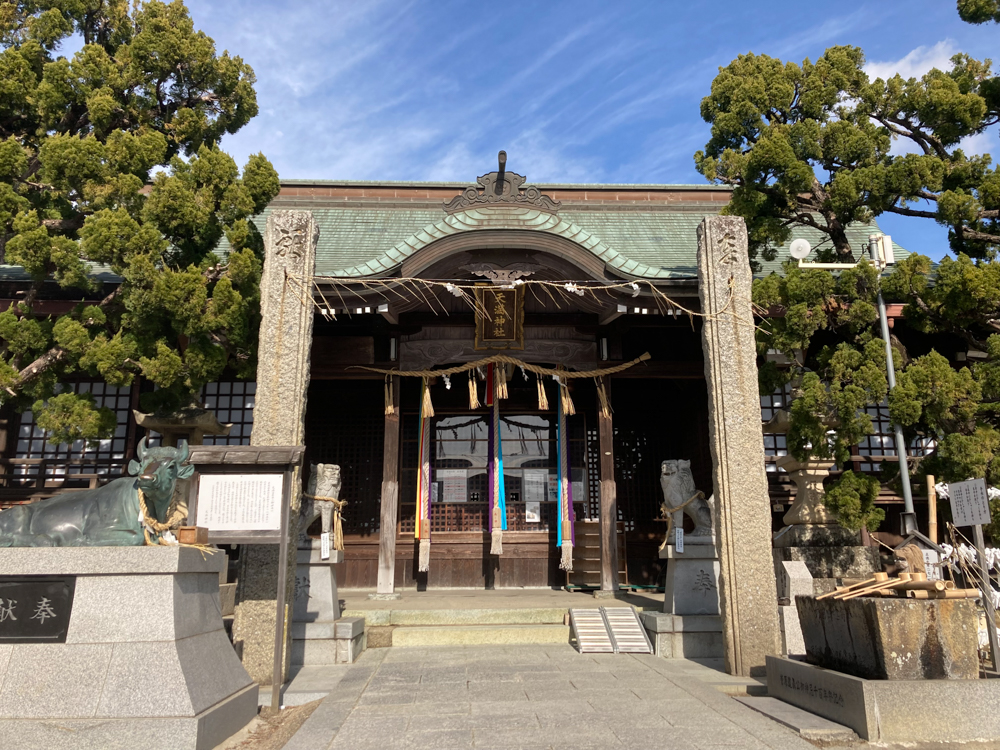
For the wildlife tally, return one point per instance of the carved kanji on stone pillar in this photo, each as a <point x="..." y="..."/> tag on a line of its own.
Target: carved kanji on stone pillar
<point x="743" y="521"/>
<point x="279" y="418"/>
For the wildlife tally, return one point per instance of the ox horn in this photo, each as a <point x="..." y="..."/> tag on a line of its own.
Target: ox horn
<point x="141" y="449"/>
<point x="184" y="450"/>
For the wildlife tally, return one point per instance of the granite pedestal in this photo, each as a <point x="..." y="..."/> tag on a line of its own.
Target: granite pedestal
<point x="891" y="710"/>
<point x="146" y="662"/>
<point x="689" y="627"/>
<point x="320" y="635"/>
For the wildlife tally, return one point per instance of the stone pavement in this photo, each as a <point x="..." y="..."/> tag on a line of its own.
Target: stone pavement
<point x="532" y="697"/>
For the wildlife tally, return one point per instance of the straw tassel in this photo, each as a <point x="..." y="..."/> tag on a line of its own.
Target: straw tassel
<point x="424" y="558"/>
<point x="473" y="391"/>
<point x="497" y="547"/>
<point x="543" y="399"/>
<point x="566" y="563"/>
<point x="567" y="402"/>
<point x="602" y="395"/>
<point x="427" y="408"/>
<point x="389" y="409"/>
<point x="501" y="377"/>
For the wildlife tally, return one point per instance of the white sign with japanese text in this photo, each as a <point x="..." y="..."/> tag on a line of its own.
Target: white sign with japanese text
<point x="970" y="505"/>
<point x="240" y="502"/>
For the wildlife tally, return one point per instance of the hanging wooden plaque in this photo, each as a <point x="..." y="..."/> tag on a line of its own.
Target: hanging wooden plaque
<point x="499" y="317"/>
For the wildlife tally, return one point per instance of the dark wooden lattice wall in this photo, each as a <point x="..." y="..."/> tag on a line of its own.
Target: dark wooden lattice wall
<point x="345" y="424"/>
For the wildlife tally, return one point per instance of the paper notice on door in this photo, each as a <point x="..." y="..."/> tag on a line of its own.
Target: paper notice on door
<point x="535" y="486"/>
<point x="453" y="485"/>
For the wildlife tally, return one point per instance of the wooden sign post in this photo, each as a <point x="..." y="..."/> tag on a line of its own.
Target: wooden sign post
<point x="970" y="506"/>
<point x="243" y="495"/>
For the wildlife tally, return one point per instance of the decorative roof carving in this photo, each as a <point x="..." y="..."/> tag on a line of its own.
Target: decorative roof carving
<point x="499" y="275"/>
<point x="501" y="187"/>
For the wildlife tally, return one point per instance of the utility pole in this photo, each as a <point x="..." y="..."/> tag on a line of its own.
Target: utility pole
<point x="909" y="518"/>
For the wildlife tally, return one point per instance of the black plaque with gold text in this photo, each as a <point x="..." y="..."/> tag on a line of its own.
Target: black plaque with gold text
<point x="499" y="317"/>
<point x="35" y="609"/>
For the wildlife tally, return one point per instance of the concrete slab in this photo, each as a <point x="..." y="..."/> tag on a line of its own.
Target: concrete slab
<point x="808" y="725"/>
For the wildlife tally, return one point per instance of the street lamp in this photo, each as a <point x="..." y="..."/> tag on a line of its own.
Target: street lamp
<point x="881" y="254"/>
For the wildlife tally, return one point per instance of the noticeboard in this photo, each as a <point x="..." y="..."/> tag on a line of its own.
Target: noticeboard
<point x="970" y="505"/>
<point x="239" y="503"/>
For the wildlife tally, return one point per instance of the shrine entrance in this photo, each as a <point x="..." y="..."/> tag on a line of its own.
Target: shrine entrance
<point x="530" y="463"/>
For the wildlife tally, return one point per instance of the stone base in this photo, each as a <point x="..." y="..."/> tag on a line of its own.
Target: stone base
<point x="816" y="535"/>
<point x="892" y="638"/>
<point x="684" y="637"/>
<point x="792" y="643"/>
<point x="316" y="585"/>
<point x="205" y="731"/>
<point x="832" y="562"/>
<point x="692" y="585"/>
<point x="891" y="710"/>
<point x="385" y="597"/>
<point x="322" y="643"/>
<point x="146" y="662"/>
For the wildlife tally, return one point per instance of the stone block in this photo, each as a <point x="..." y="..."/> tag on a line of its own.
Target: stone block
<point x="692" y="583"/>
<point x="106" y="561"/>
<point x="203" y="732"/>
<point x="794" y="579"/>
<point x="791" y="631"/>
<point x="147" y="662"/>
<point x="816" y="535"/>
<point x="181" y="679"/>
<point x="683" y="637"/>
<point x="892" y="638"/>
<point x="349" y="627"/>
<point x="891" y="710"/>
<point x="316" y="596"/>
<point x="227" y="598"/>
<point x="143" y="608"/>
<point x="832" y="562"/>
<point x="53" y="680"/>
<point x="349" y="649"/>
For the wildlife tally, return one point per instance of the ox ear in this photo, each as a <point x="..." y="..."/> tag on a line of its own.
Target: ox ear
<point x="185" y="472"/>
<point x="133" y="468"/>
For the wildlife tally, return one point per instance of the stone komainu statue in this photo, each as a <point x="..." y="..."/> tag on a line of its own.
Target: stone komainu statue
<point x="324" y="482"/>
<point x="677" y="484"/>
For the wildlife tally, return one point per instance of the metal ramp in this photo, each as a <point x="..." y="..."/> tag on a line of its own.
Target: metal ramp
<point x="609" y="630"/>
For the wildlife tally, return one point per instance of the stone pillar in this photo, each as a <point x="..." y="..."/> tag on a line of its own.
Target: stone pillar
<point x="279" y="419"/>
<point x="743" y="521"/>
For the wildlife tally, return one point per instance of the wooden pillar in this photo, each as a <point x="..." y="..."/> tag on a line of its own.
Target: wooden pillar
<point x="390" y="500"/>
<point x="609" y="503"/>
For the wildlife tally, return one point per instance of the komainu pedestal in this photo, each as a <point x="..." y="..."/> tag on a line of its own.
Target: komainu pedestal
<point x="144" y="660"/>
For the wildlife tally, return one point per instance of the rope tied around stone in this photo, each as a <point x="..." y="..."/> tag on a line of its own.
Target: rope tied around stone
<point x="669" y="514"/>
<point x="336" y="524"/>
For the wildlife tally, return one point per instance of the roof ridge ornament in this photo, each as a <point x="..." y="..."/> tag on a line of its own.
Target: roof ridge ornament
<point x="501" y="187"/>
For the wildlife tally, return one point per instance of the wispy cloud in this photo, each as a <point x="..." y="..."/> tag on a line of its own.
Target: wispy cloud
<point x="915" y="63"/>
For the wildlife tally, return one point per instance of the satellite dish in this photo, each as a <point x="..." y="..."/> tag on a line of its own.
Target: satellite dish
<point x="800" y="249"/>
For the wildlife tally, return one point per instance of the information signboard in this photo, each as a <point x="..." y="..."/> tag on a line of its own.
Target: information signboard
<point x="970" y="504"/>
<point x="240" y="502"/>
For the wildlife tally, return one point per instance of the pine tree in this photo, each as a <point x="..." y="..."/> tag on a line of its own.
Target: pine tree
<point x="809" y="145"/>
<point x="114" y="193"/>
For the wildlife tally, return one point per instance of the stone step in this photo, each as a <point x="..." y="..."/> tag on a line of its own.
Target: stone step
<point x="478" y="635"/>
<point x="809" y="726"/>
<point x="524" y="616"/>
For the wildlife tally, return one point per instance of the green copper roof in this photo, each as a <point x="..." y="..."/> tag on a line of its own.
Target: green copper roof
<point x="633" y="240"/>
<point x="653" y="244"/>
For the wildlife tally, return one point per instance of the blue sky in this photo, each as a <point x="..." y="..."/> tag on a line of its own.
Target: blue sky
<point x="573" y="91"/>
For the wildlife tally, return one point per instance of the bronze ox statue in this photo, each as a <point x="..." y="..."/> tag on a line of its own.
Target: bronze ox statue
<point x="108" y="516"/>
